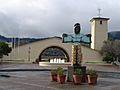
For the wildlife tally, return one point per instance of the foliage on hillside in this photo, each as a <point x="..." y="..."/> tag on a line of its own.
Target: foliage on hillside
<point x="111" y="51"/>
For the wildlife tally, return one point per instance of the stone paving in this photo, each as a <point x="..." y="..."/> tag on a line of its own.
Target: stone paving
<point x="107" y="68"/>
<point x="40" y="80"/>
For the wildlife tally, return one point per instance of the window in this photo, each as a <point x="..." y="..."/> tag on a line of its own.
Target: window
<point x="100" y="22"/>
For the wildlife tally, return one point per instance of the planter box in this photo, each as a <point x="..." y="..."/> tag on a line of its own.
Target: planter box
<point x="92" y="79"/>
<point x="77" y="79"/>
<point x="61" y="79"/>
<point x="53" y="77"/>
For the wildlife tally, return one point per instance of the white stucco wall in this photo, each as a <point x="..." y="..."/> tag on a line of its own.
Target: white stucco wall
<point x="99" y="33"/>
<point x="89" y="55"/>
<point x="36" y="49"/>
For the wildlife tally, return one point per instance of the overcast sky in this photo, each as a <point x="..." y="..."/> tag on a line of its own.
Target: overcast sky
<point x="43" y="18"/>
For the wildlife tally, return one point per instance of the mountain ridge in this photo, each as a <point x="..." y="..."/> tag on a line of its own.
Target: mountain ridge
<point x="111" y="35"/>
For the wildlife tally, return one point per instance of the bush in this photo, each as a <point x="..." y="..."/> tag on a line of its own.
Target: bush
<point x="108" y="59"/>
<point x="53" y="71"/>
<point x="37" y="60"/>
<point x="77" y="71"/>
<point x="60" y="71"/>
<point x="91" y="72"/>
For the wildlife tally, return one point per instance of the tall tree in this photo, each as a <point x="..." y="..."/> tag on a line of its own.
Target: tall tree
<point x="111" y="50"/>
<point x="4" y="49"/>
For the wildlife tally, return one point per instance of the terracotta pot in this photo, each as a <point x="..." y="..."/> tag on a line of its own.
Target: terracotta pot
<point x="92" y="79"/>
<point x="77" y="79"/>
<point x="61" y="79"/>
<point x="86" y="78"/>
<point x="53" y="77"/>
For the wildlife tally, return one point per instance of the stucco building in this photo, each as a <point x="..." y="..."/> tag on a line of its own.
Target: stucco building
<point x="28" y="53"/>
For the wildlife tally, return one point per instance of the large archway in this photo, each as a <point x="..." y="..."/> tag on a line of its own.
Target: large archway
<point x="53" y="52"/>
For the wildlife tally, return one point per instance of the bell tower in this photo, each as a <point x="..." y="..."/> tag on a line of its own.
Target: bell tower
<point x="99" y="32"/>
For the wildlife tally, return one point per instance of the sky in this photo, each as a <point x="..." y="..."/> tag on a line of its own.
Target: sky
<point x="47" y="18"/>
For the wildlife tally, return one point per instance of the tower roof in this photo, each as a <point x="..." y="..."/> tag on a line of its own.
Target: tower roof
<point x="99" y="18"/>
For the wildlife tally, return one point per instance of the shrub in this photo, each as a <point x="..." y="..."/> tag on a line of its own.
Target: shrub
<point x="77" y="71"/>
<point x="91" y="72"/>
<point x="37" y="60"/>
<point x="108" y="59"/>
<point x="53" y="71"/>
<point x="60" y="71"/>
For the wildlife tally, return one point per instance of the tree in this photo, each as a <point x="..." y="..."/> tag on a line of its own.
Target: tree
<point x="4" y="49"/>
<point x="111" y="50"/>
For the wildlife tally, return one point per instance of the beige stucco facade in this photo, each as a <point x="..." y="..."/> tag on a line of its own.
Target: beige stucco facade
<point x="30" y="52"/>
<point x="99" y="29"/>
<point x="35" y="48"/>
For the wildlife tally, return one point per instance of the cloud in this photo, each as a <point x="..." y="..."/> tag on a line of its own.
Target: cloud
<point x="43" y="18"/>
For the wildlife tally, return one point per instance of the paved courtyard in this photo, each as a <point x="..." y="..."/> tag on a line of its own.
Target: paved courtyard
<point x="40" y="80"/>
<point x="103" y="67"/>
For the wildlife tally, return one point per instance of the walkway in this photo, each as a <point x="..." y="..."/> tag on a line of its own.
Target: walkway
<point x="106" y="68"/>
<point x="40" y="80"/>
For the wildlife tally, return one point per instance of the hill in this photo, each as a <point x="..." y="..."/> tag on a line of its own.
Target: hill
<point x="111" y="35"/>
<point x="114" y="35"/>
<point x="5" y="39"/>
<point x="21" y="40"/>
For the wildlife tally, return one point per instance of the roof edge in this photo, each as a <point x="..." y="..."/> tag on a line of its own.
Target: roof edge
<point x="42" y="40"/>
<point x="98" y="18"/>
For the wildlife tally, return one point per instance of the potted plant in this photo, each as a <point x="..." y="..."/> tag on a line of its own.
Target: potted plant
<point x="53" y="75"/>
<point x="77" y="76"/>
<point x="91" y="76"/>
<point x="61" y="77"/>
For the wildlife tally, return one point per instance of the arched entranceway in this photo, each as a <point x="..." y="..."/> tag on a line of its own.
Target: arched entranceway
<point x="53" y="52"/>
